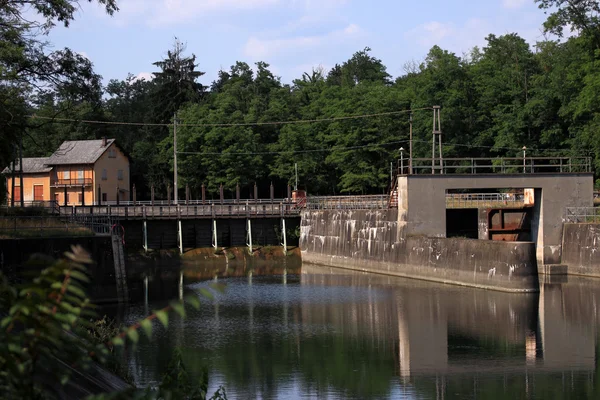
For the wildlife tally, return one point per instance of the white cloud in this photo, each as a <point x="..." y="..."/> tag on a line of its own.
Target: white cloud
<point x="515" y="4"/>
<point x="167" y="12"/>
<point x="144" y="76"/>
<point x="258" y="48"/>
<point x="461" y="38"/>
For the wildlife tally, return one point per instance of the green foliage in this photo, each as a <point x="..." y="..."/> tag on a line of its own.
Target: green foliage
<point x="48" y="333"/>
<point x="39" y="348"/>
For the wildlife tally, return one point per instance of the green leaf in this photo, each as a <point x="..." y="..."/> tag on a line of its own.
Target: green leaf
<point x="76" y="290"/>
<point x="163" y="317"/>
<point x="179" y="309"/>
<point x="133" y="335"/>
<point x="80" y="276"/>
<point x="193" y="301"/>
<point x="147" y="326"/>
<point x="206" y="293"/>
<point x="118" y="341"/>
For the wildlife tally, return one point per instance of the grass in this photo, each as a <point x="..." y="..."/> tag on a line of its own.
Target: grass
<point x="39" y="227"/>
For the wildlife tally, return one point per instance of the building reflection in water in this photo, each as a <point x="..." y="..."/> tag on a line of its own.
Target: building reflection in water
<point x="444" y="330"/>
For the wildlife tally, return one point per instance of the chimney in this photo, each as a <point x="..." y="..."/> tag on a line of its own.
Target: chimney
<point x="103" y="141"/>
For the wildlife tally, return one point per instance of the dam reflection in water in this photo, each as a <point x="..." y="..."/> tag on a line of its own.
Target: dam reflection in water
<point x="323" y="332"/>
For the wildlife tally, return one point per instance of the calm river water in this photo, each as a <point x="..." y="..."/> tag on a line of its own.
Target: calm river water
<point x="318" y="332"/>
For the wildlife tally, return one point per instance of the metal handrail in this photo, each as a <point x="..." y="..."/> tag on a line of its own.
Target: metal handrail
<point x="582" y="214"/>
<point x="368" y="202"/>
<point x="183" y="202"/>
<point x="470" y="200"/>
<point x="240" y="209"/>
<point x="498" y="165"/>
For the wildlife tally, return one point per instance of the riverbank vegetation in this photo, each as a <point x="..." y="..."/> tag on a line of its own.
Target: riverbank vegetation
<point x="52" y="345"/>
<point x="494" y="100"/>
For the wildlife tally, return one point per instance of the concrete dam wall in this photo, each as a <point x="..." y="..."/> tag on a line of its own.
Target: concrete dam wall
<point x="581" y="245"/>
<point x="371" y="241"/>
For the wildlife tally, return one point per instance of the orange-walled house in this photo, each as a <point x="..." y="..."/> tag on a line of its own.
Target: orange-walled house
<point x="80" y="172"/>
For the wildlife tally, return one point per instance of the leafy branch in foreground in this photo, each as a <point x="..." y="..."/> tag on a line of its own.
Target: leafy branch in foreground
<point x="47" y="336"/>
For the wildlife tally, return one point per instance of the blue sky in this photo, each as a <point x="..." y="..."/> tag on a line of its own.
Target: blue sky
<point x="293" y="36"/>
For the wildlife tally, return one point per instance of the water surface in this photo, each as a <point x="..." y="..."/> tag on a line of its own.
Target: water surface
<point x="317" y="332"/>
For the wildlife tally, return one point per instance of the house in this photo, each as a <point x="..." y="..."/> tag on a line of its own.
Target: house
<point x="79" y="172"/>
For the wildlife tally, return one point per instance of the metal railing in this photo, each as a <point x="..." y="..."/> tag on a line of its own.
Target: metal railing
<point x="371" y="202"/>
<point x="499" y="165"/>
<point x="240" y="209"/>
<point x="479" y="200"/>
<point x="48" y="226"/>
<point x="183" y="202"/>
<point x="72" y="182"/>
<point x="49" y="204"/>
<point x="582" y="214"/>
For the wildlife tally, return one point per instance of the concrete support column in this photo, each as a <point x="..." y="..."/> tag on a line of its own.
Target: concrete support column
<point x="249" y="236"/>
<point x="284" y="236"/>
<point x="145" y="229"/>
<point x="215" y="244"/>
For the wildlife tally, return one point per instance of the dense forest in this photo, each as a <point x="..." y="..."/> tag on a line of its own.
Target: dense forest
<point x="494" y="100"/>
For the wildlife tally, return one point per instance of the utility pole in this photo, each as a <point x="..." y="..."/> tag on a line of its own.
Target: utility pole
<point x="296" y="168"/>
<point x="14" y="176"/>
<point x="410" y="144"/>
<point x="437" y="134"/>
<point x="21" y="170"/>
<point x="175" y="156"/>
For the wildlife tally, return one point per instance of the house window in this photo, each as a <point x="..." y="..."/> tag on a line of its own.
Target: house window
<point x="104" y="197"/>
<point x="80" y="179"/>
<point x="80" y="198"/>
<point x="104" y="174"/>
<point x="112" y="153"/>
<point x="66" y="174"/>
<point x="56" y="198"/>
<point x="120" y="174"/>
<point x="68" y="198"/>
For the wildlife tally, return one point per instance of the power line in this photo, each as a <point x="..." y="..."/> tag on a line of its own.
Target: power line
<point x="331" y="119"/>
<point x="290" y="122"/>
<point x="249" y="153"/>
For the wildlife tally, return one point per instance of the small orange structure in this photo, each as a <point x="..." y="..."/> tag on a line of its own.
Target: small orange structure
<point x="79" y="172"/>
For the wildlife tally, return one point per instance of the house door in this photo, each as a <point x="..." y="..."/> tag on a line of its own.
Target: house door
<point x="38" y="193"/>
<point x="17" y="194"/>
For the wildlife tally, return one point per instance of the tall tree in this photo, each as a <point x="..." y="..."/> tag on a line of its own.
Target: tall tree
<point x="583" y="16"/>
<point x="176" y="83"/>
<point x="28" y="68"/>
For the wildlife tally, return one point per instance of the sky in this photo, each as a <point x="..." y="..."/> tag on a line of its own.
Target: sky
<point x="293" y="36"/>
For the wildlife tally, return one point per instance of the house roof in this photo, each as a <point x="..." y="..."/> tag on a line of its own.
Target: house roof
<point x="30" y="166"/>
<point x="79" y="152"/>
